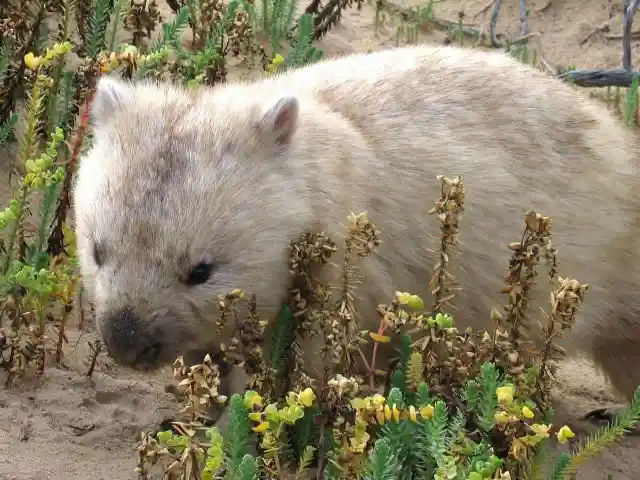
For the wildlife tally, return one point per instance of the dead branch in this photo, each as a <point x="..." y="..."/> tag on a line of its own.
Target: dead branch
<point x="523" y="19"/>
<point x="547" y="66"/>
<point x="603" y="27"/>
<point x="524" y="38"/>
<point x="544" y="7"/>
<point x="629" y="11"/>
<point x="635" y="35"/>
<point x="614" y="77"/>
<point x="494" y="22"/>
<point x="484" y="8"/>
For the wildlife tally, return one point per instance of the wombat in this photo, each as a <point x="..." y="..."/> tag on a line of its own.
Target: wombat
<point x="189" y="193"/>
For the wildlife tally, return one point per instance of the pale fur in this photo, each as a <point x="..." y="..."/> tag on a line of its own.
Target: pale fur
<point x="372" y="133"/>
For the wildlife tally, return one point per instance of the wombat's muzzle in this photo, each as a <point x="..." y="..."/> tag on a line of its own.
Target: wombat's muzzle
<point x="127" y="339"/>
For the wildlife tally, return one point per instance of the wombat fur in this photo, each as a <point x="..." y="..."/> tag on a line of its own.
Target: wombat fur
<point x="188" y="193"/>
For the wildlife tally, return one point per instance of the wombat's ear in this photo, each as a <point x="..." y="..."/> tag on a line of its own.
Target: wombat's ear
<point x="279" y="123"/>
<point x="110" y="96"/>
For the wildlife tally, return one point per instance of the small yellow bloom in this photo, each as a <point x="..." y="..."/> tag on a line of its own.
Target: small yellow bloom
<point x="378" y="399"/>
<point x="253" y="399"/>
<point x="255" y="416"/>
<point x="501" y="417"/>
<point x="358" y="403"/>
<point x="412" y="413"/>
<point x="413" y="301"/>
<point x="307" y="397"/>
<point x="380" y="416"/>
<point x="565" y="434"/>
<point x="379" y="338"/>
<point x="508" y="387"/>
<point x="359" y="442"/>
<point x="387" y="413"/>
<point x="541" y="429"/>
<point x="531" y="440"/>
<point x="31" y="61"/>
<point x="263" y="427"/>
<point x="395" y="413"/>
<point x="526" y="412"/>
<point x="505" y="395"/>
<point x="275" y="61"/>
<point x="427" y="412"/>
<point x="113" y="60"/>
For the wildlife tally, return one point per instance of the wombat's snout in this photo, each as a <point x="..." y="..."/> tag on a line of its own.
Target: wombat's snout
<point x="127" y="339"/>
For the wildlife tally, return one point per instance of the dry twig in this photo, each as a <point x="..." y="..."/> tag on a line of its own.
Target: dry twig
<point x="635" y="35"/>
<point x="494" y="22"/>
<point x="484" y="8"/>
<point x="629" y="11"/>
<point x="603" y="27"/>
<point x="612" y="77"/>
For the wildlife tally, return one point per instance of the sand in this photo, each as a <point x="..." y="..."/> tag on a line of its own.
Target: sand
<point x="65" y="426"/>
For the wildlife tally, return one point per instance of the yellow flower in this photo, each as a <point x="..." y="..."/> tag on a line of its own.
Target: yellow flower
<point x="507" y="387"/>
<point x="395" y="413"/>
<point x="237" y="292"/>
<point x="403" y="297"/>
<point x="526" y="412"/>
<point x="379" y="338"/>
<point x="501" y="417"/>
<point x="359" y="441"/>
<point x="113" y="60"/>
<point x="252" y="399"/>
<point x="358" y="403"/>
<point x="412" y="413"/>
<point x="541" y="429"/>
<point x="378" y="399"/>
<point x="427" y="412"/>
<point x="275" y="61"/>
<point x="505" y="395"/>
<point x="255" y="416"/>
<point x="31" y="61"/>
<point x="306" y="397"/>
<point x="380" y="416"/>
<point x="531" y="440"/>
<point x="565" y="434"/>
<point x="413" y="301"/>
<point x="263" y="427"/>
<point x="387" y="413"/>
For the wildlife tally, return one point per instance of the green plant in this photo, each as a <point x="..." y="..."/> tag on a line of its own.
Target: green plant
<point x="472" y="405"/>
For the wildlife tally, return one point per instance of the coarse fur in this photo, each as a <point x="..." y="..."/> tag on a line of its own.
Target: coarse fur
<point x="229" y="176"/>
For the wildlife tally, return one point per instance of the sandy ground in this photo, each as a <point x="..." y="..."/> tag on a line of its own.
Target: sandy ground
<point x="65" y="426"/>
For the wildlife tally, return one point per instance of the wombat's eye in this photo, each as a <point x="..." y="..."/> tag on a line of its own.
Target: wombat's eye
<point x="200" y="274"/>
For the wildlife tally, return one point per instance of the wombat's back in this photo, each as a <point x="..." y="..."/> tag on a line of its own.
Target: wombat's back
<point x="518" y="138"/>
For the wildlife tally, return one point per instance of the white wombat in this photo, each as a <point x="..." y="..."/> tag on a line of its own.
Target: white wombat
<point x="189" y="193"/>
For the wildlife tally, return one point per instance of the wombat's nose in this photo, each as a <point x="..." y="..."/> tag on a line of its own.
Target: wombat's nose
<point x="127" y="340"/>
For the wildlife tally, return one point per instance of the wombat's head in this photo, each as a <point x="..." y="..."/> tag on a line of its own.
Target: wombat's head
<point x="184" y="195"/>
